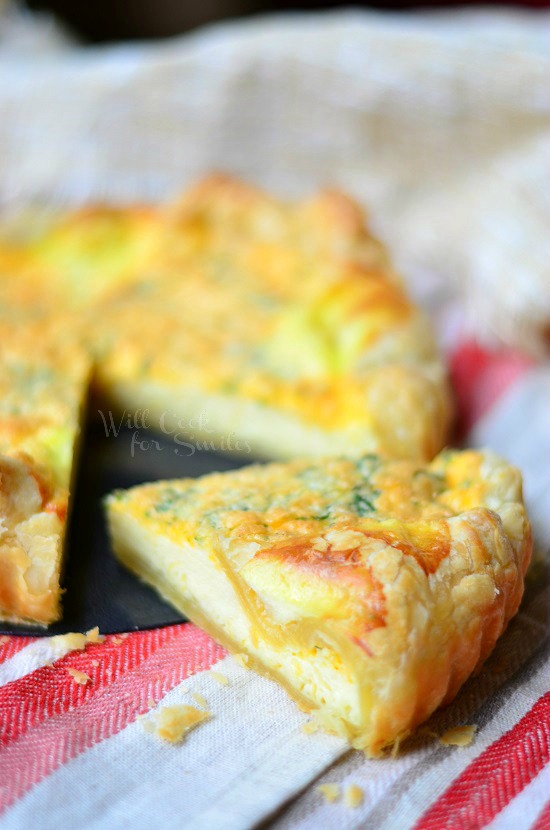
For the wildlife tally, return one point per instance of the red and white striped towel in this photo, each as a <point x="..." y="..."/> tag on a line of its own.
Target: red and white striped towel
<point x="77" y="755"/>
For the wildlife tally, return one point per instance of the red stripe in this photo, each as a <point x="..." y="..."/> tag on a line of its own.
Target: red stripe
<point x="32" y="699"/>
<point x="86" y="715"/>
<point x="11" y="646"/>
<point x="543" y="820"/>
<point x="496" y="776"/>
<point x="480" y="377"/>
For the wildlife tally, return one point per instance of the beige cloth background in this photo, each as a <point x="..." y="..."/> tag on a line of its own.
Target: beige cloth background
<point x="441" y="123"/>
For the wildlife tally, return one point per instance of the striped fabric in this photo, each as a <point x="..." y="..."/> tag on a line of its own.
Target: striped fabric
<point x="77" y="755"/>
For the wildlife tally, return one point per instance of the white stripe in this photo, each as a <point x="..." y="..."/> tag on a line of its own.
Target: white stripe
<point x="525" y="807"/>
<point x="229" y="772"/>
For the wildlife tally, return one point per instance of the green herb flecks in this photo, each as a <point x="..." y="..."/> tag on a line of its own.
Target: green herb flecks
<point x="362" y="500"/>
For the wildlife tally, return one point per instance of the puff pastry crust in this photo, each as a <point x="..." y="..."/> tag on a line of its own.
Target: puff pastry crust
<point x="370" y="589"/>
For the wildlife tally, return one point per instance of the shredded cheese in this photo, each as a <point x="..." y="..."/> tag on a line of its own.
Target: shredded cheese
<point x="241" y="659"/>
<point x="200" y="699"/>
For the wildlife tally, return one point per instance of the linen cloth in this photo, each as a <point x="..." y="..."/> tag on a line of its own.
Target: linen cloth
<point x="441" y="125"/>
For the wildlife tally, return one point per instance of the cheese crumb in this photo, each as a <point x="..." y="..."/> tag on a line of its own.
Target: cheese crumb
<point x="172" y="723"/>
<point x="241" y="659"/>
<point x="63" y="644"/>
<point x="200" y="699"/>
<point x="79" y="677"/>
<point x="4" y="639"/>
<point x="117" y="641"/>
<point x="93" y="635"/>
<point x="330" y="792"/>
<point x="150" y="702"/>
<point x="353" y="796"/>
<point x="458" y="736"/>
<point x="219" y="678"/>
<point x="310" y="727"/>
<point x="95" y="663"/>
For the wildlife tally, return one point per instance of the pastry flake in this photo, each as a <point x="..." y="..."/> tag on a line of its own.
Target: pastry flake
<point x="172" y="723"/>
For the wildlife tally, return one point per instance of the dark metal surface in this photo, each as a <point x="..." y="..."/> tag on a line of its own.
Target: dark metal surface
<point x="99" y="591"/>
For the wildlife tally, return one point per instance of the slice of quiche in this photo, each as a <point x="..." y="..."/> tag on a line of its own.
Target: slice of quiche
<point x="43" y="384"/>
<point x="370" y="589"/>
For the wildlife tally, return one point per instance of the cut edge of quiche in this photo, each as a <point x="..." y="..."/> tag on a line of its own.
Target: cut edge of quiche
<point x="370" y="590"/>
<point x="40" y="425"/>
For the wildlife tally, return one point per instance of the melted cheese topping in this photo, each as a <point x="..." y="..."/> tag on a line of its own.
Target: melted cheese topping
<point x="266" y="506"/>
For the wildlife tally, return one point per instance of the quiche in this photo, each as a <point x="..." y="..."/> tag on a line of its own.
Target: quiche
<point x="265" y="327"/>
<point x="40" y="416"/>
<point x="280" y="324"/>
<point x="370" y="589"/>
